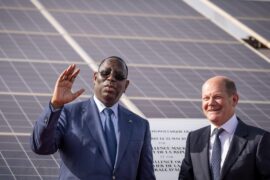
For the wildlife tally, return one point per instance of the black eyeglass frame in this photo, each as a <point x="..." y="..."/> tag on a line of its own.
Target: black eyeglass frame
<point x="105" y="73"/>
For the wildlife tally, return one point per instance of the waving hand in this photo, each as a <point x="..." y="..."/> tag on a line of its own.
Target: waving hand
<point x="62" y="91"/>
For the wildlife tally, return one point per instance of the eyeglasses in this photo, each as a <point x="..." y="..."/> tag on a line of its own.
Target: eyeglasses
<point x="119" y="76"/>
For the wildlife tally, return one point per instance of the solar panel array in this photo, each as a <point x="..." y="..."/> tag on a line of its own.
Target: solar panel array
<point x="169" y="47"/>
<point x="254" y="14"/>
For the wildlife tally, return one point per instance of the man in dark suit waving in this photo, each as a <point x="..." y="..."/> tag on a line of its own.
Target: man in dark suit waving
<point x="98" y="139"/>
<point x="228" y="149"/>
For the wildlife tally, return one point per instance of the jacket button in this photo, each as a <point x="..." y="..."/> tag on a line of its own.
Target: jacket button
<point x="46" y="120"/>
<point x="113" y="177"/>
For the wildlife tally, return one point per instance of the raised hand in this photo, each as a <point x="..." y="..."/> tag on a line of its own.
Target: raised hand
<point x="62" y="91"/>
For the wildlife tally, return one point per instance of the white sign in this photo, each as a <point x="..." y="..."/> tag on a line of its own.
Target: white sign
<point x="169" y="141"/>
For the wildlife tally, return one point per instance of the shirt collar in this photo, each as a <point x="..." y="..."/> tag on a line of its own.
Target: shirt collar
<point x="101" y="106"/>
<point x="229" y="126"/>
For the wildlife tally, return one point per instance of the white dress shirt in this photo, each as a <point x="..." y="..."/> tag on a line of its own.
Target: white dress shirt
<point x="225" y="138"/>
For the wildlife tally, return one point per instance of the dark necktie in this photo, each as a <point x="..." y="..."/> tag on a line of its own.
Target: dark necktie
<point x="110" y="134"/>
<point x="216" y="155"/>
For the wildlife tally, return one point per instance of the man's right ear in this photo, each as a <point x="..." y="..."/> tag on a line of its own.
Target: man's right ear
<point x="95" y="76"/>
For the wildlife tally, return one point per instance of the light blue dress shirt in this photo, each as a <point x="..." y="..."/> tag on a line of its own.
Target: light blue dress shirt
<point x="114" y="108"/>
<point x="225" y="137"/>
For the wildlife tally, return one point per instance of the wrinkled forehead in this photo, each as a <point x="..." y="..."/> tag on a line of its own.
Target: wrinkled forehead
<point x="213" y="87"/>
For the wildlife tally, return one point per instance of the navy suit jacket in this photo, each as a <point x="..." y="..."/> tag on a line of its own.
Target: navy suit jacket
<point x="76" y="131"/>
<point x="248" y="157"/>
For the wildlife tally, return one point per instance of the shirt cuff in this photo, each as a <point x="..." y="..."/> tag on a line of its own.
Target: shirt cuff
<point x="54" y="109"/>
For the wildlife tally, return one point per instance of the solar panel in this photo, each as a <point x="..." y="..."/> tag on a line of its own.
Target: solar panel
<point x="169" y="47"/>
<point x="254" y="14"/>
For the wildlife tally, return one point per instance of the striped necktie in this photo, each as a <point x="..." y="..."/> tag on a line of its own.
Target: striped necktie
<point x="216" y="155"/>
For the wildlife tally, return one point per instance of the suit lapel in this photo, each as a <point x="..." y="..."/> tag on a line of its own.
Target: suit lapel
<point x="204" y="155"/>
<point x="93" y="121"/>
<point x="125" y="129"/>
<point x="237" y="145"/>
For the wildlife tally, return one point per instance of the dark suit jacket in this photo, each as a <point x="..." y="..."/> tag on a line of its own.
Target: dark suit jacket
<point x="77" y="133"/>
<point x="248" y="157"/>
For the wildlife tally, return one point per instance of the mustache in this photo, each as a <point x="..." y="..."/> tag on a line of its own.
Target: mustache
<point x="110" y="85"/>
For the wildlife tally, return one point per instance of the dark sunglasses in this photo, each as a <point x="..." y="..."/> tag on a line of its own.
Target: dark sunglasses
<point x="117" y="75"/>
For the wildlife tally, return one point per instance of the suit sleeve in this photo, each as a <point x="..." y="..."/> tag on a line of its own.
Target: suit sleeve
<point x="146" y="168"/>
<point x="45" y="138"/>
<point x="263" y="156"/>
<point x="186" y="170"/>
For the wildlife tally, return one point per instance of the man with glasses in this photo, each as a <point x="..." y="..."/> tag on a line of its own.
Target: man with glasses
<point x="98" y="138"/>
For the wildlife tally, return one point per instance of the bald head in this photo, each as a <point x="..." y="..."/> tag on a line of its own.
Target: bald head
<point x="228" y="84"/>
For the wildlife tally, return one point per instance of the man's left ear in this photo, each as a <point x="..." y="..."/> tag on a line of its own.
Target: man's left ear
<point x="127" y="83"/>
<point x="235" y="99"/>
